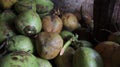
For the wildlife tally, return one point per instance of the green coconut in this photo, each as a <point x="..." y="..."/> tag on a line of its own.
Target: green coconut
<point x="19" y="59"/>
<point x="25" y="5"/>
<point x="8" y="16"/>
<point x="20" y="43"/>
<point x="66" y="34"/>
<point x="44" y="7"/>
<point x="28" y="23"/>
<point x="6" y="25"/>
<point x="87" y="57"/>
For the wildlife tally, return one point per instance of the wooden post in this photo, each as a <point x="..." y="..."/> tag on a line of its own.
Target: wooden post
<point x="106" y="16"/>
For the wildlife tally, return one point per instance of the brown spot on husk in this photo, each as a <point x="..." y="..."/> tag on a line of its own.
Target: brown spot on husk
<point x="20" y="53"/>
<point x="15" y="58"/>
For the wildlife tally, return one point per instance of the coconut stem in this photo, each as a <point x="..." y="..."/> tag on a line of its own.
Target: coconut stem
<point x="74" y="38"/>
<point x="65" y="47"/>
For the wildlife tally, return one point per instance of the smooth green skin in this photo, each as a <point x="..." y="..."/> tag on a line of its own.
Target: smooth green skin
<point x="25" y="5"/>
<point x="28" y="18"/>
<point x="20" y="43"/>
<point x="19" y="59"/>
<point x="44" y="63"/>
<point x="44" y="6"/>
<point x="66" y="34"/>
<point x="87" y="57"/>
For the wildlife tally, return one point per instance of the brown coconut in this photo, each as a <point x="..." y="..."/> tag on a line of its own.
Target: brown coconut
<point x="48" y="44"/>
<point x="106" y="50"/>
<point x="52" y="23"/>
